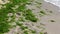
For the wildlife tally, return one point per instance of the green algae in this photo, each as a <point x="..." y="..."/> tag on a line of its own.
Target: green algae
<point x="42" y="13"/>
<point x="33" y="31"/>
<point x="41" y="33"/>
<point x="4" y="24"/>
<point x="30" y="16"/>
<point x="25" y="32"/>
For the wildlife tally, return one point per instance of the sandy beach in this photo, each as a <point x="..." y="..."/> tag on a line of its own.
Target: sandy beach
<point x="52" y="27"/>
<point x="48" y="22"/>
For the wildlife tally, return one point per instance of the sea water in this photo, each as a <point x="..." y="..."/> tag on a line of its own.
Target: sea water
<point x="55" y="2"/>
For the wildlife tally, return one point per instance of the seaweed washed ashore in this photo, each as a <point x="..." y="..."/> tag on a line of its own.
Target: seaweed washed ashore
<point x="14" y="13"/>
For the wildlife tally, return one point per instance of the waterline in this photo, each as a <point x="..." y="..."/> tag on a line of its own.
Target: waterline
<point x="55" y="2"/>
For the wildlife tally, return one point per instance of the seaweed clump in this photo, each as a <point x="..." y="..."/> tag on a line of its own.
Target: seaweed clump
<point x="4" y="24"/>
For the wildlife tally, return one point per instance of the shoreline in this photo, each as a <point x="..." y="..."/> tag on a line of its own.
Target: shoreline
<point x="51" y="28"/>
<point x="53" y="3"/>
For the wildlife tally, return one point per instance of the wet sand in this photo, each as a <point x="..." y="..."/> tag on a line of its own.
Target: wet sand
<point x="51" y="27"/>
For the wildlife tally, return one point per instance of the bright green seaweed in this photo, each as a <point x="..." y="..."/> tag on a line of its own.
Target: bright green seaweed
<point x="4" y="24"/>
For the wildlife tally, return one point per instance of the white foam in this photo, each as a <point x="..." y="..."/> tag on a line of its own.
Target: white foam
<point x="55" y="2"/>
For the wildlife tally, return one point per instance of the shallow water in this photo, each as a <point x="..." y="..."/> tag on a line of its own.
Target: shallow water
<point x="55" y="2"/>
